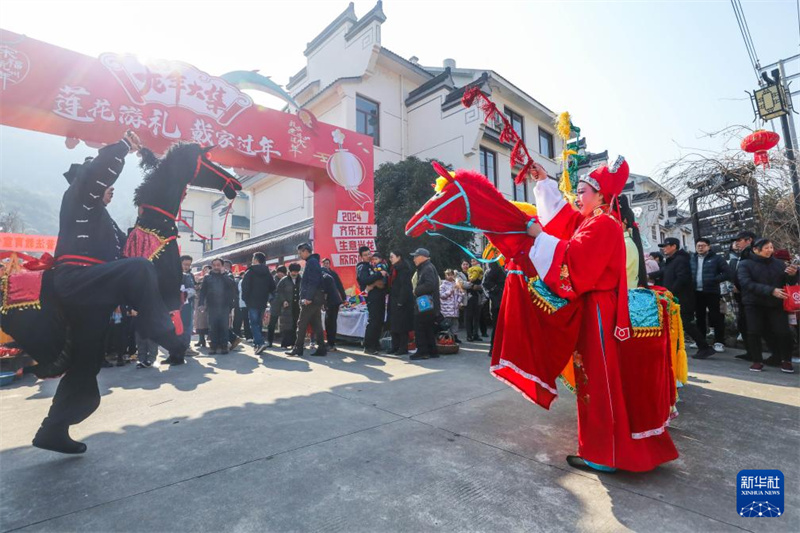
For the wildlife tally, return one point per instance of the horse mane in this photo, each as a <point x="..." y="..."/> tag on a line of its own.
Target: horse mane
<point x="493" y="204"/>
<point x="154" y="185"/>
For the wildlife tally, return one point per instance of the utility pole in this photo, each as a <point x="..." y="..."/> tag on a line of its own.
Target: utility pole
<point x="788" y="141"/>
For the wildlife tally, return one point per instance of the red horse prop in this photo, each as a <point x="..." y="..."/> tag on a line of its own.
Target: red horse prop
<point x="530" y="313"/>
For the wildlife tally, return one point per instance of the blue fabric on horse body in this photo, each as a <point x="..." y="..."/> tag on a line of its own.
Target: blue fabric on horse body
<point x="643" y="308"/>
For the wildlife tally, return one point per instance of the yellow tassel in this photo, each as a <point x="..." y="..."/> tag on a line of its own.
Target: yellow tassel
<point x="565" y="185"/>
<point x="566" y="153"/>
<point x="440" y="184"/>
<point x="563" y="125"/>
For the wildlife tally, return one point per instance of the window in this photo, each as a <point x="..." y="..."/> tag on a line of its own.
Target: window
<point x="242" y="236"/>
<point x="188" y="216"/>
<point x="367" y="118"/>
<point x="653" y="232"/>
<point x="516" y="122"/>
<point x="546" y="144"/>
<point x="520" y="191"/>
<point x="489" y="165"/>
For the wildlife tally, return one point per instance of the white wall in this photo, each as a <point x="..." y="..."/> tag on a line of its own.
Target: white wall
<point x="279" y="202"/>
<point x="199" y="201"/>
<point x="338" y="58"/>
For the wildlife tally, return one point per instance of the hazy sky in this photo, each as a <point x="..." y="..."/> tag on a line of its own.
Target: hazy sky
<point x="641" y="78"/>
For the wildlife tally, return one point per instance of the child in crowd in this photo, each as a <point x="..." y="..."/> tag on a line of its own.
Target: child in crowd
<point x="451" y="301"/>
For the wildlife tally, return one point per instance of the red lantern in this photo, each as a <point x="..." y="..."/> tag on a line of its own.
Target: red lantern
<point x="758" y="143"/>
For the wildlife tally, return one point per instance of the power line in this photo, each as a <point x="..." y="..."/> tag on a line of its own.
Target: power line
<point x="741" y="20"/>
<point x="745" y="31"/>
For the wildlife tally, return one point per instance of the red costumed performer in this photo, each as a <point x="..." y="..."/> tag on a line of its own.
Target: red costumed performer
<point x="580" y="257"/>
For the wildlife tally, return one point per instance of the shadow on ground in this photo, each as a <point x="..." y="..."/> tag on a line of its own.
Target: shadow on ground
<point x="449" y="450"/>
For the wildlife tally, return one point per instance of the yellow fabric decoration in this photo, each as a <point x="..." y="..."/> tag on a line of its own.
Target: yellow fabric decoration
<point x="564" y="125"/>
<point x="525" y="207"/>
<point x="564" y="185"/>
<point x="490" y="253"/>
<point x="566" y="153"/>
<point x="680" y="364"/>
<point x="440" y="184"/>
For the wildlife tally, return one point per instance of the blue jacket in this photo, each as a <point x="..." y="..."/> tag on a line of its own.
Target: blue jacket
<point x="312" y="278"/>
<point x="715" y="271"/>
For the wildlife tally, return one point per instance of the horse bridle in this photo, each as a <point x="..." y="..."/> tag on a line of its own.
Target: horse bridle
<point x="461" y="194"/>
<point x="176" y="217"/>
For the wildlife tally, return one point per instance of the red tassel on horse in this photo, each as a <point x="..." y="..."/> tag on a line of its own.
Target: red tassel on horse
<point x="508" y="134"/>
<point x="517" y="157"/>
<point x="523" y="174"/>
<point x="470" y="95"/>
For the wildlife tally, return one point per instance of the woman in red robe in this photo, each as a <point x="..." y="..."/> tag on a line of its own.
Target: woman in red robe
<point x="580" y="256"/>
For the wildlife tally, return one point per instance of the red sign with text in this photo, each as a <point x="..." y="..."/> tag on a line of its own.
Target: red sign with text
<point x="53" y="90"/>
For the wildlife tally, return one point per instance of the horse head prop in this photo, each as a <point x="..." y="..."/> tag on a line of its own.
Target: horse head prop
<point x="465" y="200"/>
<point x="184" y="164"/>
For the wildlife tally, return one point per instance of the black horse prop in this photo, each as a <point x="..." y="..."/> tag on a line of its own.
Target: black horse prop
<point x="159" y="198"/>
<point x="43" y="332"/>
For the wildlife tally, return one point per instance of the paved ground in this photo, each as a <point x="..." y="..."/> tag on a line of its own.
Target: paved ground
<point x="359" y="443"/>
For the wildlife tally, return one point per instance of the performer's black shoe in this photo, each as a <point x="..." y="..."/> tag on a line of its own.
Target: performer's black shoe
<point x="293" y="352"/>
<point x="57" y="439"/>
<point x="319" y="353"/>
<point x="418" y="356"/>
<point x="744" y="357"/>
<point x="704" y="353"/>
<point x="173" y="361"/>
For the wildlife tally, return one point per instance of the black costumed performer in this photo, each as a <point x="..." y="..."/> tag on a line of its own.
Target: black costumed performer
<point x="91" y="279"/>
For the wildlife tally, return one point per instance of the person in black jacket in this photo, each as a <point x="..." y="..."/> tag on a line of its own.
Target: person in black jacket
<point x="312" y="298"/>
<point x="742" y="246"/>
<point x="189" y="293"/>
<point x="275" y="308"/>
<point x="257" y="289"/>
<point x="493" y="283"/>
<point x="401" y="304"/>
<point x="90" y="280"/>
<point x="676" y="276"/>
<point x="287" y="302"/>
<point x="219" y="295"/>
<point x="708" y="271"/>
<point x="425" y="320"/>
<point x="762" y="279"/>
<point x="334" y="297"/>
<point x="374" y="283"/>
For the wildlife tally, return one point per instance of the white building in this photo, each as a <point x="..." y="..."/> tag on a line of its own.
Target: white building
<point x="657" y="213"/>
<point x="205" y="211"/>
<point x="350" y="80"/>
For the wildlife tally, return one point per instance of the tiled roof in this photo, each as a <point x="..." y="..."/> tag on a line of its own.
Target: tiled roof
<point x="376" y="13"/>
<point x="276" y="243"/>
<point x="454" y="98"/>
<point x="437" y="82"/>
<point x="400" y="59"/>
<point x="348" y="15"/>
